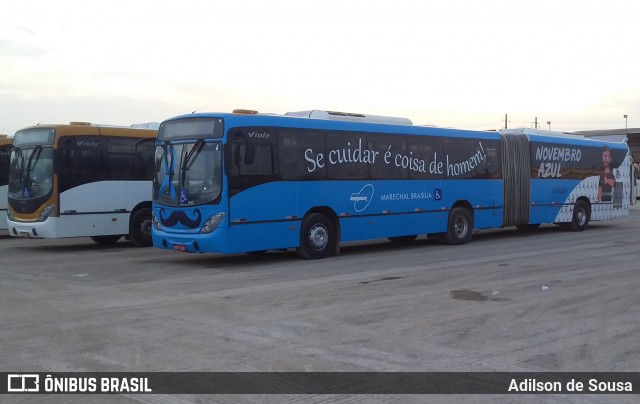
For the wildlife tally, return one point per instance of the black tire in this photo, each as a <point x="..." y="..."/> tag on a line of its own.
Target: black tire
<point x="581" y="216"/>
<point x="317" y="237"/>
<point x="528" y="227"/>
<point x="460" y="227"/>
<point x="403" y="239"/>
<point x="140" y="228"/>
<point x="106" y="240"/>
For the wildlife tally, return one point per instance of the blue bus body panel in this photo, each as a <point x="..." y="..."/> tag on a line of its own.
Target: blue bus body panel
<point x="269" y="216"/>
<point x="548" y="197"/>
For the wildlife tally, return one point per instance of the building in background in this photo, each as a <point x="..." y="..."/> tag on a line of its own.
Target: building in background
<point x="632" y="134"/>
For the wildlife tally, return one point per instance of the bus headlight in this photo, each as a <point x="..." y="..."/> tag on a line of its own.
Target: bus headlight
<point x="156" y="222"/>
<point x="45" y="213"/>
<point x="212" y="223"/>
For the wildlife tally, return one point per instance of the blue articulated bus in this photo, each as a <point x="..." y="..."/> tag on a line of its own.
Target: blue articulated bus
<point x="248" y="182"/>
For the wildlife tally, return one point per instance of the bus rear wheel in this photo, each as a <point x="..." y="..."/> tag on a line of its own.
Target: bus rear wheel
<point x="317" y="237"/>
<point x="106" y="240"/>
<point x="581" y="216"/>
<point x="140" y="228"/>
<point x="460" y="227"/>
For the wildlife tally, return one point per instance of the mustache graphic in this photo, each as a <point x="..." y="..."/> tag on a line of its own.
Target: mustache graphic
<point x="182" y="218"/>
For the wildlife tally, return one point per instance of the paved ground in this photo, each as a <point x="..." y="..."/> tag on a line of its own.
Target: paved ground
<point x="546" y="301"/>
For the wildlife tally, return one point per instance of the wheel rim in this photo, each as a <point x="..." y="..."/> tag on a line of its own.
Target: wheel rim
<point x="145" y="228"/>
<point x="318" y="237"/>
<point x="581" y="216"/>
<point x="460" y="227"/>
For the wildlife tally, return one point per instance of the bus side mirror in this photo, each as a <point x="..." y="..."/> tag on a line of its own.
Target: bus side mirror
<point x="158" y="162"/>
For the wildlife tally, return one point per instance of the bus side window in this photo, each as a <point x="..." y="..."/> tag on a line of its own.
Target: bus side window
<point x="492" y="167"/>
<point x="243" y="154"/>
<point x="82" y="161"/>
<point x="249" y="154"/>
<point x="122" y="159"/>
<point x="384" y="148"/>
<point x="251" y="158"/>
<point x="340" y="164"/>
<point x="237" y="140"/>
<point x="427" y="151"/>
<point x="298" y="155"/>
<point x="237" y="159"/>
<point x="466" y="159"/>
<point x="144" y="160"/>
<point x="252" y="162"/>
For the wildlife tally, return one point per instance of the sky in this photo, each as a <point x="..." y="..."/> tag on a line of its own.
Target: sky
<point x="454" y="63"/>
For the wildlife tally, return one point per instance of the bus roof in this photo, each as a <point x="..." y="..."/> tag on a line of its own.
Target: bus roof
<point x="332" y="120"/>
<point x="78" y="128"/>
<point x="350" y="117"/>
<point x="541" y="135"/>
<point x="82" y="124"/>
<point x="542" y="132"/>
<point x="146" y="125"/>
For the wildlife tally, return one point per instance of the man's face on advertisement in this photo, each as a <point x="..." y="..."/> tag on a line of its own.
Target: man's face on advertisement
<point x="606" y="158"/>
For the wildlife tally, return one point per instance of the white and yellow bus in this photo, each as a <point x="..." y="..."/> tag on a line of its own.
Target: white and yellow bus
<point x="82" y="180"/>
<point x="5" y="152"/>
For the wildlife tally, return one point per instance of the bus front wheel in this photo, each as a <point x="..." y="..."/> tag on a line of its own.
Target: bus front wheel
<point x="317" y="237"/>
<point x="140" y="228"/>
<point x="460" y="227"/>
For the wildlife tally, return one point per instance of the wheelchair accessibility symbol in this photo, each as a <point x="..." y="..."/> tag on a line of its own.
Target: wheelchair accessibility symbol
<point x="184" y="196"/>
<point x="362" y="199"/>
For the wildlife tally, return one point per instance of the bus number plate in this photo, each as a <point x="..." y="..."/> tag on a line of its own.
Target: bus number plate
<point x="180" y="247"/>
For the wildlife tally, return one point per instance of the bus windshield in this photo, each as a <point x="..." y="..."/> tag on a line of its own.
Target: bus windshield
<point x="188" y="173"/>
<point x="31" y="172"/>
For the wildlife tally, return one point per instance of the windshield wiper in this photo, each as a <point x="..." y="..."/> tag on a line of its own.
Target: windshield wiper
<point x="189" y="159"/>
<point x="32" y="163"/>
<point x="193" y="154"/>
<point x="167" y="182"/>
<point x="168" y="167"/>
